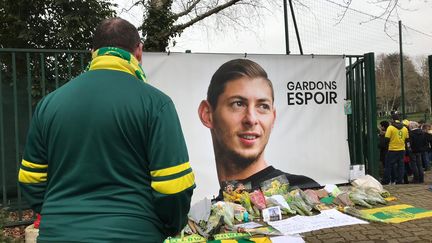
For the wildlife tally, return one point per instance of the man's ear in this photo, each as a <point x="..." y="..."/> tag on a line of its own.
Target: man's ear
<point x="138" y="52"/>
<point x="274" y="117"/>
<point x="205" y="114"/>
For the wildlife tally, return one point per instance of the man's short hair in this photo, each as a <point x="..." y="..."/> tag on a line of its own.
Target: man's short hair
<point x="384" y="124"/>
<point x="233" y="70"/>
<point x="116" y="32"/>
<point x="413" y="125"/>
<point x="395" y="117"/>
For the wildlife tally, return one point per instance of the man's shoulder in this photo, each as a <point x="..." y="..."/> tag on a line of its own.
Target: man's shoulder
<point x="391" y="128"/>
<point x="294" y="180"/>
<point x="301" y="181"/>
<point x="126" y="82"/>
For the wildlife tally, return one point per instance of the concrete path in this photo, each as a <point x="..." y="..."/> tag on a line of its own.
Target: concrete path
<point x="419" y="230"/>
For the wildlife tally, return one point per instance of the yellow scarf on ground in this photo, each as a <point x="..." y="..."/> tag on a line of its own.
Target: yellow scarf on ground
<point x="114" y="58"/>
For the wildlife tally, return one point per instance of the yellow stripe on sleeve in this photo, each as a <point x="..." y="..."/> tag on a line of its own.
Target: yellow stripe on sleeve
<point x="31" y="177"/>
<point x="175" y="185"/>
<point x="33" y="165"/>
<point x="171" y="170"/>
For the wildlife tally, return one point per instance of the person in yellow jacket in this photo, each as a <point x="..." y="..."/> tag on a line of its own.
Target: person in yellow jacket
<point x="396" y="136"/>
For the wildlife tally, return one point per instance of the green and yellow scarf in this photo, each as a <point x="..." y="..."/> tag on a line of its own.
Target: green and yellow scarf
<point x="114" y="58"/>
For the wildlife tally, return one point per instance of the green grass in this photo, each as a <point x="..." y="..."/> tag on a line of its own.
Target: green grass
<point x="417" y="116"/>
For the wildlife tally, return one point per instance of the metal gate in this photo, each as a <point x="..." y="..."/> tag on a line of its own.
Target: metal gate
<point x="362" y="122"/>
<point x="27" y="75"/>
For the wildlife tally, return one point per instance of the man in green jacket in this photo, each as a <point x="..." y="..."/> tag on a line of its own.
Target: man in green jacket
<point x="105" y="158"/>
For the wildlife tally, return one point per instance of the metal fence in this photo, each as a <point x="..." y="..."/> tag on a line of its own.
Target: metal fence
<point x="362" y="122"/>
<point x="27" y="75"/>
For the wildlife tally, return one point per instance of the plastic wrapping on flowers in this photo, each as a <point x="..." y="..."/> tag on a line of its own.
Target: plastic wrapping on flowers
<point x="240" y="214"/>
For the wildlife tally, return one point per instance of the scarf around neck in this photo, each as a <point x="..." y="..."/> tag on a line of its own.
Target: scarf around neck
<point x="114" y="58"/>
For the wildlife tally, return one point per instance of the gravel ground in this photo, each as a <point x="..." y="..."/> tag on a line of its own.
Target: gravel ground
<point x="16" y="234"/>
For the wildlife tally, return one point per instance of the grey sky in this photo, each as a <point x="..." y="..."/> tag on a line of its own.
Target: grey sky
<point x="318" y="31"/>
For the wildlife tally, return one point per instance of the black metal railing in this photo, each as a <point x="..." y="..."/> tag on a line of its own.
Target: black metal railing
<point x="362" y="121"/>
<point x="27" y="75"/>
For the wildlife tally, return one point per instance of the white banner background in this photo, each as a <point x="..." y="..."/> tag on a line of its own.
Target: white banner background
<point x="307" y="139"/>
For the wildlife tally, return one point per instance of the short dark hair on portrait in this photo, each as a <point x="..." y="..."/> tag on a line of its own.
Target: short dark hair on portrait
<point x="233" y="70"/>
<point x="116" y="32"/>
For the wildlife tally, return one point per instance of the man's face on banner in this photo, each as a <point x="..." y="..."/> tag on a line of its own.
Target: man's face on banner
<point x="243" y="119"/>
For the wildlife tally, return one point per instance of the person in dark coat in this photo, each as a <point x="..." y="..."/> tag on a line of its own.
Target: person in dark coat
<point x="427" y="128"/>
<point x="382" y="145"/>
<point x="419" y="141"/>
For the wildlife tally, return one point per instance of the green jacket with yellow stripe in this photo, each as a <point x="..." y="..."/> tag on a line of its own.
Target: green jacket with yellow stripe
<point x="106" y="161"/>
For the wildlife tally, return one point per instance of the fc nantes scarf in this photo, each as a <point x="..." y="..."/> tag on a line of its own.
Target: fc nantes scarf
<point x="114" y="58"/>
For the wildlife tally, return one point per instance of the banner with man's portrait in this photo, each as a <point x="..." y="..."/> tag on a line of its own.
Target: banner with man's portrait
<point x="310" y="133"/>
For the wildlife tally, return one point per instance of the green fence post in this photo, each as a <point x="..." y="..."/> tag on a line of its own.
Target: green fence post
<point x="372" y="143"/>
<point x="42" y="69"/>
<point x="349" y="116"/>
<point x="430" y="82"/>
<point x="82" y="62"/>
<point x="360" y="112"/>
<point x="402" y="71"/>
<point x="353" y="114"/>
<point x="2" y="144"/>
<point x="69" y="65"/>
<point x="29" y="86"/>
<point x="56" y="71"/>
<point x="17" y="150"/>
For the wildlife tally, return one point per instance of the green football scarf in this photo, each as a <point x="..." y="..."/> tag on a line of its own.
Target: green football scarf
<point x="114" y="58"/>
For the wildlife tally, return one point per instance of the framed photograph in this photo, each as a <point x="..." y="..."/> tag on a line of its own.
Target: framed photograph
<point x="272" y="214"/>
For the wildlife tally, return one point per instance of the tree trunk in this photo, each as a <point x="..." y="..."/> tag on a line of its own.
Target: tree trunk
<point x="157" y="26"/>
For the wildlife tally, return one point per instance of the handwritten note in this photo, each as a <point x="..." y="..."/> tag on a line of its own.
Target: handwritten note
<point x="327" y="219"/>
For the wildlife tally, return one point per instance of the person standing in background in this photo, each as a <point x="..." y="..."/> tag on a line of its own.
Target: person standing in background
<point x="427" y="128"/>
<point x="382" y="144"/>
<point x="408" y="155"/>
<point x="419" y="141"/>
<point x="396" y="137"/>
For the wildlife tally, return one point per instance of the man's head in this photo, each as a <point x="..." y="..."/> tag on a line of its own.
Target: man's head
<point x="239" y="112"/>
<point x="117" y="32"/>
<point x="413" y="125"/>
<point x="233" y="70"/>
<point x="395" y="116"/>
<point x="384" y="125"/>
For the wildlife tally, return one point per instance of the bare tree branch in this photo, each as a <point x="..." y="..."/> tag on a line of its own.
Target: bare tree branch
<point x="136" y="3"/>
<point x="167" y="19"/>
<point x="347" y="6"/>
<point x="187" y="10"/>
<point x="390" y="11"/>
<point x="215" y="10"/>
